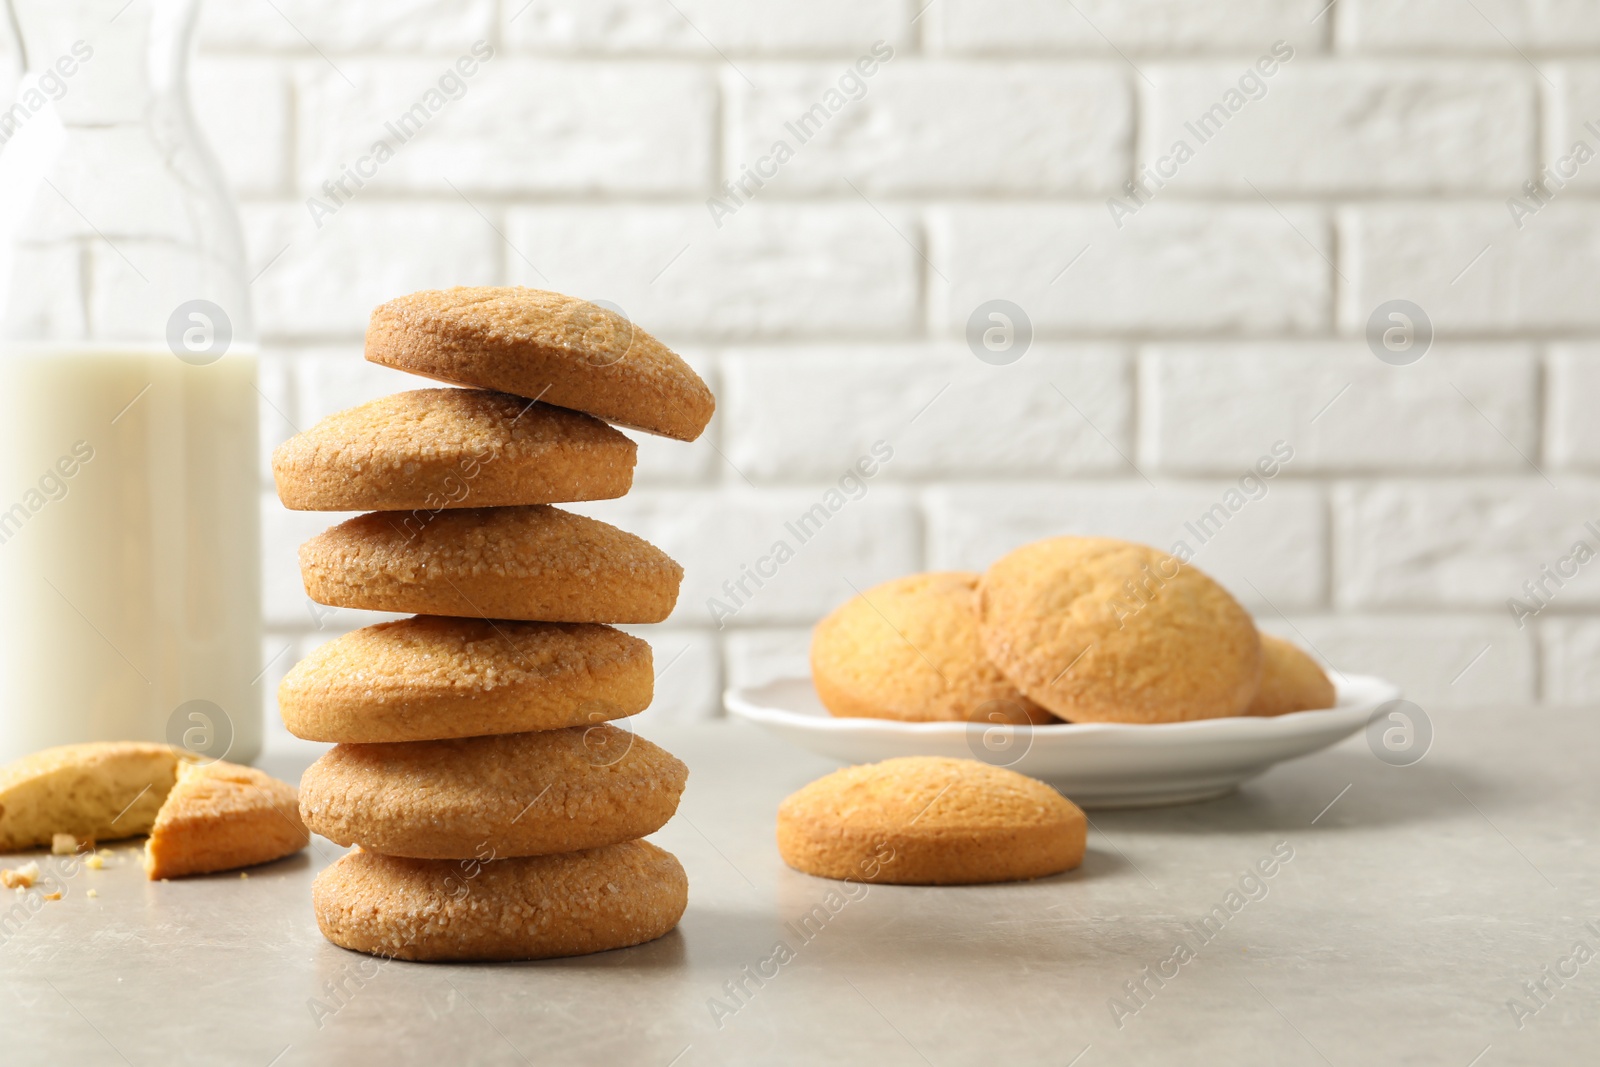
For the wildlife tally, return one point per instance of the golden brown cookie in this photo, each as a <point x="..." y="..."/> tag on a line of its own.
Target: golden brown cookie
<point x="1290" y="681"/>
<point x="535" y="563"/>
<point x="97" y="791"/>
<point x="427" y="678"/>
<point x="451" y="448"/>
<point x="510" y="909"/>
<point x="220" y="816"/>
<point x="908" y="649"/>
<point x="546" y="346"/>
<point x="1098" y="630"/>
<point x="927" y="820"/>
<point x="512" y="795"/>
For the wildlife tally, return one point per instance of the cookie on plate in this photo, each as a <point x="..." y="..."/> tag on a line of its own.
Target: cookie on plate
<point x="1290" y="681"/>
<point x="513" y="795"/>
<point x="1099" y="630"/>
<point x="221" y="816"/>
<point x="96" y="791"/>
<point x="508" y="909"/>
<point x="429" y="677"/>
<point x="928" y="820"/>
<point x="533" y="563"/>
<point x="908" y="649"/>
<point x="544" y="346"/>
<point x="451" y="448"/>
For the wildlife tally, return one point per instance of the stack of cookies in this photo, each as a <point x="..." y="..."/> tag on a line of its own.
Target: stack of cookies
<point x="496" y="809"/>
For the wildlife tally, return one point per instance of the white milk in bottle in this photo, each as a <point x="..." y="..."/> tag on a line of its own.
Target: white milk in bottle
<point x="129" y="477"/>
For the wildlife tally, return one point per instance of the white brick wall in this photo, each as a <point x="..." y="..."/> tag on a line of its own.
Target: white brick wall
<point x="828" y="308"/>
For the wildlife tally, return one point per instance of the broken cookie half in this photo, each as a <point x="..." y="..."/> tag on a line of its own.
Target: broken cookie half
<point x="201" y="817"/>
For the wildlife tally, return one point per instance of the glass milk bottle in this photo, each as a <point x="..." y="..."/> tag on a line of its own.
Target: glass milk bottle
<point x="129" y="548"/>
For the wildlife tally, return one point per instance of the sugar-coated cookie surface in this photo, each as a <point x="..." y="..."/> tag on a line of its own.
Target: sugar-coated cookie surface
<point x="95" y="791"/>
<point x="505" y="909"/>
<point x="514" y="795"/>
<point x="451" y="448"/>
<point x="908" y="649"/>
<point x="544" y="346"/>
<point x="430" y="677"/>
<point x="533" y="563"/>
<point x="1290" y="681"/>
<point x="928" y="820"/>
<point x="1099" y="630"/>
<point x="221" y="816"/>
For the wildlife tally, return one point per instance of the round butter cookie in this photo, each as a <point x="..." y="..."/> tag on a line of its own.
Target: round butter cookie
<point x="451" y="448"/>
<point x="531" y="908"/>
<point x="1098" y="630"/>
<point x="908" y="649"/>
<point x="546" y="346"/>
<point x="428" y="678"/>
<point x="928" y="820"/>
<point x="511" y="795"/>
<point x="1290" y="681"/>
<point x="535" y="563"/>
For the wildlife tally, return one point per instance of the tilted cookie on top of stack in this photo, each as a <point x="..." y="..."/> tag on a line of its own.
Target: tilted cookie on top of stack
<point x="497" y="813"/>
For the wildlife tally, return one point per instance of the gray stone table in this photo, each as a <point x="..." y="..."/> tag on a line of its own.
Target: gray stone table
<point x="1443" y="913"/>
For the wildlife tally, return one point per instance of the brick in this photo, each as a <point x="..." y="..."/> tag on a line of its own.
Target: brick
<point x="663" y="461"/>
<point x="716" y="536"/>
<point x="254" y="154"/>
<point x="1572" y="434"/>
<point x="941" y="127"/>
<point x="755" y="657"/>
<point x="1276" y="541"/>
<point x="275" y="419"/>
<point x="1337" y="406"/>
<point x="1343" y="126"/>
<point x="1574" y="118"/>
<point x="688" y="685"/>
<point x="1495" y="26"/>
<point x="331" y="378"/>
<point x="1405" y="544"/>
<point x="579" y="127"/>
<point x="813" y="412"/>
<point x="1470" y="268"/>
<point x="1106" y="26"/>
<point x="327" y="281"/>
<point x="1570" y="660"/>
<point x="704" y="27"/>
<point x="1439" y="661"/>
<point x="771" y="270"/>
<point x="355" y="25"/>
<point x="1171" y="268"/>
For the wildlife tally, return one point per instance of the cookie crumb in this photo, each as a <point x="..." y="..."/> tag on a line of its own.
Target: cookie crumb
<point x="244" y="875"/>
<point x="94" y="863"/>
<point x="53" y="896"/>
<point x="93" y="893"/>
<point x="63" y="844"/>
<point x="20" y="878"/>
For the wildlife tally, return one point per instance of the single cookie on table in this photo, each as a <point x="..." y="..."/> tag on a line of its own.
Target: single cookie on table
<point x="95" y="791"/>
<point x="449" y="448"/>
<point x="534" y="563"/>
<point x="908" y="649"/>
<point x="1290" y="681"/>
<point x="530" y="908"/>
<point x="928" y="820"/>
<point x="1099" y="630"/>
<point x="221" y="816"/>
<point x="428" y="678"/>
<point x="546" y="346"/>
<point x="512" y="795"/>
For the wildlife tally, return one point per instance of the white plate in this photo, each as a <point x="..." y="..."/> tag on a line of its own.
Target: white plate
<point x="1095" y="764"/>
